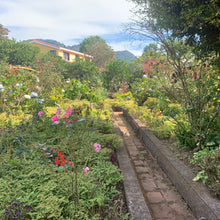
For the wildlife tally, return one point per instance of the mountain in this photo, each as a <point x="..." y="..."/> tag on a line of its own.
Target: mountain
<point x="57" y="43"/>
<point x="49" y="41"/>
<point x="125" y="55"/>
<point x="74" y="47"/>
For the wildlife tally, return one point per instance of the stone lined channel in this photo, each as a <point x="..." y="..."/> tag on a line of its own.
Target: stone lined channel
<point x="161" y="197"/>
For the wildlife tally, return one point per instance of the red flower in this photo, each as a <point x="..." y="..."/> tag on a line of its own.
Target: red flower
<point x="63" y="161"/>
<point x="61" y="164"/>
<point x="62" y="156"/>
<point x="57" y="160"/>
<point x="59" y="154"/>
<point x="69" y="163"/>
<point x="54" y="150"/>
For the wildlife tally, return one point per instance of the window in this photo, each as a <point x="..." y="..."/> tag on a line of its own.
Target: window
<point x="66" y="56"/>
<point x="53" y="52"/>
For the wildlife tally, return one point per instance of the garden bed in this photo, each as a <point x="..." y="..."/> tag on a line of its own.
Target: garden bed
<point x="61" y="165"/>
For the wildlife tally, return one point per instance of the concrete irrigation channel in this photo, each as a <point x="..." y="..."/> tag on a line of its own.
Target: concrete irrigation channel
<point x="158" y="185"/>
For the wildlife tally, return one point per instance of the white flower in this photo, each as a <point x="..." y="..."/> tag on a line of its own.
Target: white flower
<point x="82" y="120"/>
<point x="67" y="81"/>
<point x="18" y="85"/>
<point x="34" y="95"/>
<point x="27" y="96"/>
<point x="37" y="88"/>
<point x="63" y="90"/>
<point x="40" y="101"/>
<point x="2" y="89"/>
<point x="37" y="79"/>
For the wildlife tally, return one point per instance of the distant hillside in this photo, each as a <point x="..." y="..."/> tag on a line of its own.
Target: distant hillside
<point x="74" y="47"/>
<point x="57" y="43"/>
<point x="52" y="42"/>
<point x="125" y="55"/>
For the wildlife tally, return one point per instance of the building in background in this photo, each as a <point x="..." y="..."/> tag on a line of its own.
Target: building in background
<point x="67" y="54"/>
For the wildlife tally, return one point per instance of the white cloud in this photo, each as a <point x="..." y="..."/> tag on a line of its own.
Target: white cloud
<point x="65" y="20"/>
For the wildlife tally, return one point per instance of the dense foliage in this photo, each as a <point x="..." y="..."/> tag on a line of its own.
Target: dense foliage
<point x="98" y="48"/>
<point x="196" y="21"/>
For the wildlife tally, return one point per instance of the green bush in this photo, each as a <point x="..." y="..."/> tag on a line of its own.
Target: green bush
<point x="152" y="103"/>
<point x="209" y="163"/>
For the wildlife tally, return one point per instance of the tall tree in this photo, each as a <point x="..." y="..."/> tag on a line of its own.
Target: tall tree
<point x="198" y="22"/>
<point x="3" y="32"/>
<point x="118" y="72"/>
<point x="98" y="48"/>
<point x="187" y="30"/>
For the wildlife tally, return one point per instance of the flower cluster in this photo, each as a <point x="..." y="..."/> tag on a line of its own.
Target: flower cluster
<point x="61" y="159"/>
<point x="97" y="147"/>
<point x="67" y="113"/>
<point x="16" y="210"/>
<point x="55" y="157"/>
<point x="86" y="170"/>
<point x="40" y="113"/>
<point x="55" y="119"/>
<point x="2" y="89"/>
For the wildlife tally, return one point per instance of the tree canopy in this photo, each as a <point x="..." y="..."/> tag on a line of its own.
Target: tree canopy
<point x="152" y="51"/>
<point x="198" y="22"/>
<point x="98" y="48"/>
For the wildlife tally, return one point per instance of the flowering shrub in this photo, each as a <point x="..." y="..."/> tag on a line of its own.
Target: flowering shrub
<point x="68" y="173"/>
<point x="78" y="90"/>
<point x="19" y="89"/>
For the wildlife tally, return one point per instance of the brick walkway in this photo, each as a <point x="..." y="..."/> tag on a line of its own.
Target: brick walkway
<point x="161" y="196"/>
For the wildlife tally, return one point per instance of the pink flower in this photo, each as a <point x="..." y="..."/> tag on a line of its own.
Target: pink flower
<point x="40" y="113"/>
<point x="55" y="118"/>
<point x="86" y="170"/>
<point x="97" y="147"/>
<point x="68" y="112"/>
<point x="58" y="112"/>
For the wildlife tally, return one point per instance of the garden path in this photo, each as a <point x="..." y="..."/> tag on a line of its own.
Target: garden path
<point x="161" y="197"/>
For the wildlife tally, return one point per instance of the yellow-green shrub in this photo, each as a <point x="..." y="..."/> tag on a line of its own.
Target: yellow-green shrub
<point x="13" y="120"/>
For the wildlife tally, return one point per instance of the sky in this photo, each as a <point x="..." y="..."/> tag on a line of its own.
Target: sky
<point x="71" y="21"/>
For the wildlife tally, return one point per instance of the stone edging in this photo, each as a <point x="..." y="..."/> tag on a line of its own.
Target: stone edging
<point x="136" y="204"/>
<point x="195" y="194"/>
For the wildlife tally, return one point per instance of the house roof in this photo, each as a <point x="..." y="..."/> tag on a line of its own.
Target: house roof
<point x="147" y="65"/>
<point x="60" y="48"/>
